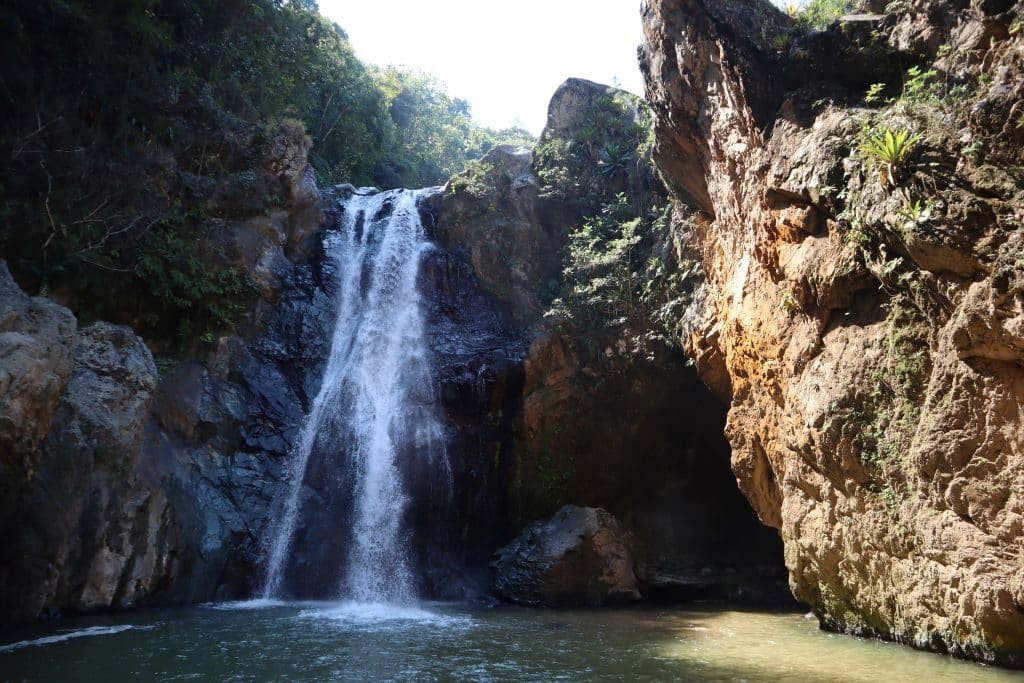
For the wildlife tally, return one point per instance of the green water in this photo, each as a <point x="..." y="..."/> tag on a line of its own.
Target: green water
<point x="441" y="642"/>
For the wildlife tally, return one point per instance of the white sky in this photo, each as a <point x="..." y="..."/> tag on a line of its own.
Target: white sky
<point x="506" y="57"/>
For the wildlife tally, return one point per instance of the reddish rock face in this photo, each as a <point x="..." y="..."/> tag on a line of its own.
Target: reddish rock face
<point x="873" y="359"/>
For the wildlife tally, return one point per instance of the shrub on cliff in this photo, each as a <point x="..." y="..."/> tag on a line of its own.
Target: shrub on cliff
<point x="620" y="270"/>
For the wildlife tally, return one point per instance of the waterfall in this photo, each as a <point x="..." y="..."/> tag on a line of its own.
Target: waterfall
<point x="376" y="401"/>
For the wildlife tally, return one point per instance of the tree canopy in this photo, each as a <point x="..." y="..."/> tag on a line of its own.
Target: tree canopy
<point x="131" y="129"/>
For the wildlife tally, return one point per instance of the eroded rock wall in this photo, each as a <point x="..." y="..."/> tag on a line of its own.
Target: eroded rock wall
<point x="869" y="348"/>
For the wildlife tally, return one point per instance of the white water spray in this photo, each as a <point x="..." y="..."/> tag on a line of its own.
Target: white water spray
<point x="376" y="399"/>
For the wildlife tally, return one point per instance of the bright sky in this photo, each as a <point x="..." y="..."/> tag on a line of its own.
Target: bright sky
<point x="506" y="57"/>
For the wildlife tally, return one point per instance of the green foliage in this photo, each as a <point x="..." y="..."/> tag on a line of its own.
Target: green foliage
<point x="916" y="212"/>
<point x="782" y="41"/>
<point x="133" y="129"/>
<point x="819" y="14"/>
<point x="874" y="93"/>
<point x="614" y="158"/>
<point x="187" y="290"/>
<point x="617" y="132"/>
<point x="973" y="151"/>
<point x="472" y="181"/>
<point x="889" y="151"/>
<point x="921" y="85"/>
<point x="603" y="272"/>
<point x="614" y="275"/>
<point x="614" y="132"/>
<point x="431" y="134"/>
<point x="788" y="302"/>
<point x="554" y="159"/>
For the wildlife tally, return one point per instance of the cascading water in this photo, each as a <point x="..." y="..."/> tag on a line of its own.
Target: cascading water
<point x="376" y="400"/>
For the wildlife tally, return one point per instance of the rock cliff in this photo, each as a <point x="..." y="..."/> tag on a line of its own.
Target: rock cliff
<point x="571" y="241"/>
<point x="861" y="308"/>
<point x="552" y="302"/>
<point x="126" y="486"/>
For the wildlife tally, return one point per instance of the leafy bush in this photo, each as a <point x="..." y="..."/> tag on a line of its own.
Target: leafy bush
<point x="614" y="273"/>
<point x="599" y="159"/>
<point x="920" y="86"/>
<point x="603" y="271"/>
<point x="199" y="299"/>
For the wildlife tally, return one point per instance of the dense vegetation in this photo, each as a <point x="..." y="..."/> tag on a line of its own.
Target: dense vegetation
<point x="818" y="14"/>
<point x="133" y="130"/>
<point x="620" y="269"/>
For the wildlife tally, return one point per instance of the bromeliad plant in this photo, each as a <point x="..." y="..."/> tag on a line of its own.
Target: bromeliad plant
<point x="890" y="152"/>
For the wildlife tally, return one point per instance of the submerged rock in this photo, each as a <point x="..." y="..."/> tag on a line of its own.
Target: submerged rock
<point x="580" y="557"/>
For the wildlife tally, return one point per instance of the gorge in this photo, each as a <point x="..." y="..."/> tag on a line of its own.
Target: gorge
<point x="700" y="355"/>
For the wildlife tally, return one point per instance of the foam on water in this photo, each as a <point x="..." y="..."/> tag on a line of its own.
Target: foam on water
<point x="243" y="605"/>
<point x="62" y="637"/>
<point x="383" y="615"/>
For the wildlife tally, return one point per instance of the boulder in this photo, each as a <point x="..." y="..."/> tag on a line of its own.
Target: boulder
<point x="107" y="398"/>
<point x="581" y="557"/>
<point x="89" y="530"/>
<point x="36" y="345"/>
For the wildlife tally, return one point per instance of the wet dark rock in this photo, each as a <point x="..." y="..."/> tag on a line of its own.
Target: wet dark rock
<point x="222" y="432"/>
<point x="124" y="490"/>
<point x="581" y="557"/>
<point x="477" y="359"/>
